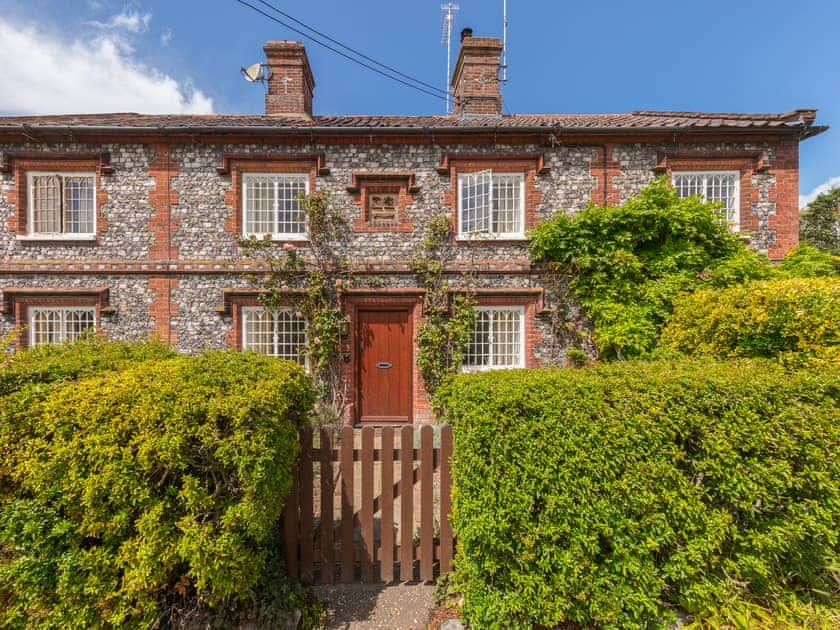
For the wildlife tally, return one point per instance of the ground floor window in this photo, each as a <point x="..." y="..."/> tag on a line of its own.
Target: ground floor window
<point x="497" y="340"/>
<point x="59" y="324"/>
<point x="280" y="333"/>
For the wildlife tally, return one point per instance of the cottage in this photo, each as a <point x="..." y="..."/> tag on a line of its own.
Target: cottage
<point x="128" y="223"/>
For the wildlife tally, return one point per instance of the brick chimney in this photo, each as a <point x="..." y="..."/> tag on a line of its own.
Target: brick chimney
<point x="476" y="77"/>
<point x="291" y="84"/>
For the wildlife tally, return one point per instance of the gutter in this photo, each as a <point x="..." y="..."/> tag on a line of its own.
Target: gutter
<point x="804" y="133"/>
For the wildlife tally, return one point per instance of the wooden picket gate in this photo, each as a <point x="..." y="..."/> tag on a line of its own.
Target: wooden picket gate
<point x="343" y="522"/>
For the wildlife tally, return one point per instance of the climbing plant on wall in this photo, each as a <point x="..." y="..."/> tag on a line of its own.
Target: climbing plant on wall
<point x="449" y="315"/>
<point x="311" y="281"/>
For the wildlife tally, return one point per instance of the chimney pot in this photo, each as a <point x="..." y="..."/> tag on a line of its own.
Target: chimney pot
<point x="290" y="83"/>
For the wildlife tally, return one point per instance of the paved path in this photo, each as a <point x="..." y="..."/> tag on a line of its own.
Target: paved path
<point x="364" y="606"/>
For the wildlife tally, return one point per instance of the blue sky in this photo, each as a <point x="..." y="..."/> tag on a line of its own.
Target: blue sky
<point x="564" y="56"/>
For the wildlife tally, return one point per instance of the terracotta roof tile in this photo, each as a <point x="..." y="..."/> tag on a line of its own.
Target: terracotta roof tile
<point x="637" y="120"/>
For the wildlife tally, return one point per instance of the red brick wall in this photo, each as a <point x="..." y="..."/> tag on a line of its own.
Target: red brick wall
<point x="785" y="194"/>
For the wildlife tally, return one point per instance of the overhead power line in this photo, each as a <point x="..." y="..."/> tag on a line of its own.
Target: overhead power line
<point x="437" y="93"/>
<point x="346" y="47"/>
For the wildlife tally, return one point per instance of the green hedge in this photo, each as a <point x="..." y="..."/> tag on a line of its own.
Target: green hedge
<point x="31" y="375"/>
<point x="149" y="493"/>
<point x="72" y="361"/>
<point x="607" y="497"/>
<point x="759" y="319"/>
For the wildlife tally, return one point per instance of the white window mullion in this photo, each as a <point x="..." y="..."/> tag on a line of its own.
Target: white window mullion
<point x="275" y="223"/>
<point x="497" y="340"/>
<point x="713" y="186"/>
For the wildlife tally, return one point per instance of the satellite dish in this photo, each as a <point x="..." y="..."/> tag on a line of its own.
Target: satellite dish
<point x="253" y="73"/>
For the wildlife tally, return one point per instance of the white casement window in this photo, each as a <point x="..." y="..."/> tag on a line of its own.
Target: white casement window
<point x="719" y="186"/>
<point x="281" y="333"/>
<point x="498" y="339"/>
<point x="272" y="205"/>
<point x="491" y="205"/>
<point x="59" y="324"/>
<point x="62" y="205"/>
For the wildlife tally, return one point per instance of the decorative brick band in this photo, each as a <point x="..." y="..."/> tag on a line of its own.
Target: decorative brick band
<point x="211" y="267"/>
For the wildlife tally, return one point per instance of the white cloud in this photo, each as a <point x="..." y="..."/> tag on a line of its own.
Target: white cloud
<point x="166" y="37"/>
<point x="44" y="75"/>
<point x="827" y="185"/>
<point x="127" y="19"/>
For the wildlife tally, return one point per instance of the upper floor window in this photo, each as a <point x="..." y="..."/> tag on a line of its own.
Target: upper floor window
<point x="498" y="339"/>
<point x="491" y="205"/>
<point x="59" y="324"/>
<point x="281" y="333"/>
<point x="272" y="205"/>
<point x="62" y="205"/>
<point x="718" y="186"/>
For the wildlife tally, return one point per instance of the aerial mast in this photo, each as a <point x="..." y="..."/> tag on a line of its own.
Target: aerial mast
<point x="448" y="11"/>
<point x="504" y="41"/>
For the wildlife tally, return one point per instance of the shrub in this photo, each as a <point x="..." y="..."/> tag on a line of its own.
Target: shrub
<point x="629" y="263"/>
<point x="807" y="261"/>
<point x="71" y="361"/>
<point x="607" y="497"/>
<point x="152" y="491"/>
<point x="761" y="319"/>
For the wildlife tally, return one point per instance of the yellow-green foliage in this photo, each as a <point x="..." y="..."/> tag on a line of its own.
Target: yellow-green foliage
<point x="139" y="490"/>
<point x="71" y="361"/>
<point x="30" y="375"/>
<point x="762" y="319"/>
<point x="609" y="497"/>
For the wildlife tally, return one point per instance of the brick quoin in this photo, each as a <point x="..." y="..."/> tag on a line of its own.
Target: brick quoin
<point x="162" y="198"/>
<point x="785" y="194"/>
<point x="163" y="308"/>
<point x="604" y="169"/>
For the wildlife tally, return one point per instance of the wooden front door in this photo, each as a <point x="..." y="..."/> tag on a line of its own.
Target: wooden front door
<point x="384" y="343"/>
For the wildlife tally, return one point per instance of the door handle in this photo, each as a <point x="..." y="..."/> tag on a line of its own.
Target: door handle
<point x="383" y="364"/>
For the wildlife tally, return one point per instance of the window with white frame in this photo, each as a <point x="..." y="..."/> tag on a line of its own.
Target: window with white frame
<point x="497" y="340"/>
<point x="281" y="333"/>
<point x="717" y="186"/>
<point x="272" y="206"/>
<point x="48" y="324"/>
<point x="62" y="205"/>
<point x="491" y="204"/>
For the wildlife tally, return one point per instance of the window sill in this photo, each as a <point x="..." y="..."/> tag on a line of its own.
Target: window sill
<point x="490" y="368"/>
<point x="57" y="238"/>
<point x="279" y="238"/>
<point x="490" y="238"/>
